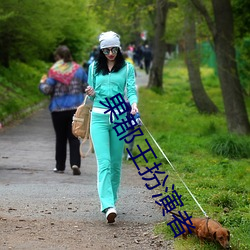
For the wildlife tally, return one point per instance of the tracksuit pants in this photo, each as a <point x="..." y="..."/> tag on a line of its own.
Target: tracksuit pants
<point x="108" y="150"/>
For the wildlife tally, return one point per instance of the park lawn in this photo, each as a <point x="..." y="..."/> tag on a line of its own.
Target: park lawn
<point x="220" y="183"/>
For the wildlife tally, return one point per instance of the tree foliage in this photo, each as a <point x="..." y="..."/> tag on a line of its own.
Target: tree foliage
<point x="242" y="35"/>
<point x="241" y="18"/>
<point x="175" y="25"/>
<point x="126" y="17"/>
<point x="28" y="33"/>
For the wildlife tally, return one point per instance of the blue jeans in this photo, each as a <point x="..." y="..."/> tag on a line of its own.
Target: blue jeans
<point x="108" y="150"/>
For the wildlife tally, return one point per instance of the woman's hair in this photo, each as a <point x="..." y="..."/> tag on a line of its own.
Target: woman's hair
<point x="101" y="64"/>
<point x="63" y="52"/>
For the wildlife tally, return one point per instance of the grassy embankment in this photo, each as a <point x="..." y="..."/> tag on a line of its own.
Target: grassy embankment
<point x="19" y="92"/>
<point x="214" y="164"/>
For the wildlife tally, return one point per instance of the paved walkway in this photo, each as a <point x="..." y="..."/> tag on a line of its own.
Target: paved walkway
<point x="141" y="78"/>
<point x="31" y="191"/>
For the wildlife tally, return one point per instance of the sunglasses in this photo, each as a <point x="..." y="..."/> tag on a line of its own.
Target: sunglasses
<point x="106" y="51"/>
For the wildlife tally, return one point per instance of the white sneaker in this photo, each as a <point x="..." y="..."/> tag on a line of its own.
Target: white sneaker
<point x="76" y="170"/>
<point x="128" y="157"/>
<point x="58" y="171"/>
<point x="111" y="214"/>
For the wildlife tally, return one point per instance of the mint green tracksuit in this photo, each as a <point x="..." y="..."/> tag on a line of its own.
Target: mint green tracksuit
<point x="108" y="148"/>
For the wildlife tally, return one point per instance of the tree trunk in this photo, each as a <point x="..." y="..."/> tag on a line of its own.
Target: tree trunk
<point x="201" y="99"/>
<point x="159" y="46"/>
<point x="235" y="109"/>
<point x="223" y="38"/>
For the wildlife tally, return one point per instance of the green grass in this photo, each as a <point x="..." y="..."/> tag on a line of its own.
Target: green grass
<point x="19" y="88"/>
<point x="214" y="164"/>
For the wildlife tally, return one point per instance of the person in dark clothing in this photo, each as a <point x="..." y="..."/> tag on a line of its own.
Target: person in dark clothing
<point x="138" y="53"/>
<point x="147" y="54"/>
<point x="65" y="83"/>
<point x="93" y="55"/>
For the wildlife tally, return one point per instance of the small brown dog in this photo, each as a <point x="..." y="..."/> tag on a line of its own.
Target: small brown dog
<point x="208" y="229"/>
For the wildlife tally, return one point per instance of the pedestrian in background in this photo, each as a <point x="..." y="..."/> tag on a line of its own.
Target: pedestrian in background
<point x="138" y="53"/>
<point x="107" y="77"/>
<point x="92" y="57"/>
<point x="65" y="84"/>
<point x="147" y="54"/>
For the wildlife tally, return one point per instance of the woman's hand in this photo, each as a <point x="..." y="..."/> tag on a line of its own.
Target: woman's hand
<point x="43" y="79"/>
<point x="90" y="91"/>
<point x="134" y="109"/>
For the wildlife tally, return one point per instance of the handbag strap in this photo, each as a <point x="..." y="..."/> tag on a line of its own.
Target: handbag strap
<point x="85" y="99"/>
<point x="85" y="139"/>
<point x="126" y="83"/>
<point x="92" y="73"/>
<point x="90" y="149"/>
<point x="87" y="134"/>
<point x="126" y="73"/>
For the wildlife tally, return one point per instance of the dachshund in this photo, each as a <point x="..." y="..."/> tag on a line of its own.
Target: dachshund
<point x="208" y="229"/>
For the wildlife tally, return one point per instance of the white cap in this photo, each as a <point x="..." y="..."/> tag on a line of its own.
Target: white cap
<point x="109" y="39"/>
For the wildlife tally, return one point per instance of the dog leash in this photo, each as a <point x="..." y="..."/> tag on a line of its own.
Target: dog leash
<point x="175" y="170"/>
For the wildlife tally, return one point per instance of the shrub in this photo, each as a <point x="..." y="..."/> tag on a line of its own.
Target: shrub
<point x="223" y="200"/>
<point x="231" y="146"/>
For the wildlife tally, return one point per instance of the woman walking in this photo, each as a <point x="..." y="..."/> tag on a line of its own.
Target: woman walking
<point x="108" y="76"/>
<point x="65" y="84"/>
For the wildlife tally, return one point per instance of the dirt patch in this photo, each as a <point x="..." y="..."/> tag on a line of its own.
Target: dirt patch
<point x="50" y="234"/>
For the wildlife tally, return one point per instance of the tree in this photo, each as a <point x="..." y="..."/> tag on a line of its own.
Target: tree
<point x="201" y="99"/>
<point x="28" y="33"/>
<point x="159" y="46"/>
<point x="127" y="17"/>
<point x="223" y="38"/>
<point x="23" y="33"/>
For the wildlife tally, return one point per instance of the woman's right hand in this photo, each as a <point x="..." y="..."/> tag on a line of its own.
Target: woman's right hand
<point x="43" y="79"/>
<point x="90" y="91"/>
